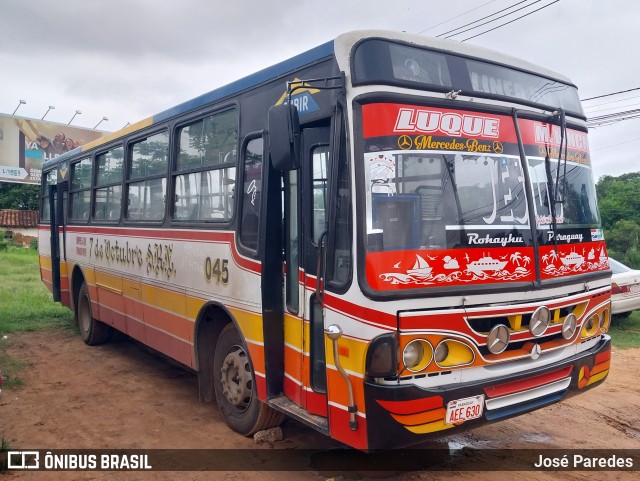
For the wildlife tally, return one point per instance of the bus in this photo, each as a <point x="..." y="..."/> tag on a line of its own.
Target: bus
<point x="388" y="238"/>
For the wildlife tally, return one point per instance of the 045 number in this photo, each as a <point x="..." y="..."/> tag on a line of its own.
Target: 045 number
<point x="217" y="269"/>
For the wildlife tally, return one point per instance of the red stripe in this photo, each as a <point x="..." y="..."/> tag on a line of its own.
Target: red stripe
<point x="528" y="383"/>
<point x="316" y="403"/>
<point x="603" y="356"/>
<point x="413" y="406"/>
<point x="340" y="430"/>
<point x="360" y="312"/>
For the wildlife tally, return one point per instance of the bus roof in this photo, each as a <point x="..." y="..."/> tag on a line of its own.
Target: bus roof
<point x="342" y="47"/>
<point x="345" y="42"/>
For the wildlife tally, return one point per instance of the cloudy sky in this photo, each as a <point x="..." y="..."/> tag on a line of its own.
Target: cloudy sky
<point x="129" y="59"/>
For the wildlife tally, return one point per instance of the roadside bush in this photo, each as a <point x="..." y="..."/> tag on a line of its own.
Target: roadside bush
<point x="4" y="242"/>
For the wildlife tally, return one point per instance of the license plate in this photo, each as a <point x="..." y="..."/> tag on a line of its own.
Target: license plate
<point x="635" y="288"/>
<point x="462" y="410"/>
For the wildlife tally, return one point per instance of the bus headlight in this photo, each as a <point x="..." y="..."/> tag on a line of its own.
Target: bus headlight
<point x="590" y="326"/>
<point x="417" y="355"/>
<point x="451" y="353"/>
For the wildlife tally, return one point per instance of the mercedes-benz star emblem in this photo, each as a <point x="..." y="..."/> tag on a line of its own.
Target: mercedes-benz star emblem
<point x="405" y="142"/>
<point x="498" y="339"/>
<point x="497" y="147"/>
<point x="536" y="350"/>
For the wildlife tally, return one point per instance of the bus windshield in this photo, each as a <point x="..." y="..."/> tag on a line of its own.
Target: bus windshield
<point x="446" y="199"/>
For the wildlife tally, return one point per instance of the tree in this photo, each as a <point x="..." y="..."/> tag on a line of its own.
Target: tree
<point x="19" y="196"/>
<point x="619" y="203"/>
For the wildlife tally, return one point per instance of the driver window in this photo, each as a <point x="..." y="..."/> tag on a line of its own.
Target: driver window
<point x="320" y="159"/>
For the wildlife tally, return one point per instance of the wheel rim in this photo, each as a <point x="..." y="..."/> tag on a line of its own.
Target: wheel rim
<point x="84" y="314"/>
<point x="237" y="382"/>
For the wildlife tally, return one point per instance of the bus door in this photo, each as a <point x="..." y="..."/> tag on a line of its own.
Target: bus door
<point x="305" y="194"/>
<point x="58" y="199"/>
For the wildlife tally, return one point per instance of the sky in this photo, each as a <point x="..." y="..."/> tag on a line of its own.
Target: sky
<point x="130" y="59"/>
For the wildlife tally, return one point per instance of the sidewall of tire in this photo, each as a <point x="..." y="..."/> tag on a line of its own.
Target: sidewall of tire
<point x="249" y="421"/>
<point x="97" y="332"/>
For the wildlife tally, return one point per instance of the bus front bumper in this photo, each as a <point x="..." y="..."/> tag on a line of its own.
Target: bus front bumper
<point x="405" y="414"/>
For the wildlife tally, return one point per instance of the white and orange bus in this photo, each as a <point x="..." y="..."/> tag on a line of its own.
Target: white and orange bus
<point x="388" y="237"/>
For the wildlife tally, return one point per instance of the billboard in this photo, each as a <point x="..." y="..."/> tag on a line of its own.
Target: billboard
<point x="26" y="143"/>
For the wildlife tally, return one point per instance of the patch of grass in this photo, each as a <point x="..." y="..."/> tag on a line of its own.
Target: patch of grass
<point x="25" y="305"/>
<point x="625" y="333"/>
<point x="25" y="302"/>
<point x="10" y="368"/>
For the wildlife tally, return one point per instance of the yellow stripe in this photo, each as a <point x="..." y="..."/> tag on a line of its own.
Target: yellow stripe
<point x="598" y="377"/>
<point x="355" y="360"/>
<point x="293" y="331"/>
<point x="127" y="130"/>
<point x="250" y="324"/>
<point x="169" y="301"/>
<point x="109" y="282"/>
<point x="45" y="262"/>
<point x="429" y="428"/>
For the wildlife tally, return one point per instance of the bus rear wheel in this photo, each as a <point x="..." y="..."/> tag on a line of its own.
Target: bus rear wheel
<point x="235" y="387"/>
<point x="92" y="331"/>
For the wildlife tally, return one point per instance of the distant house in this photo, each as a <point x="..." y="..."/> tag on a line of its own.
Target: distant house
<point x="21" y="225"/>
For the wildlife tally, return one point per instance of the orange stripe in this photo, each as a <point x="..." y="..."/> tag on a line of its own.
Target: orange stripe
<point x="338" y="393"/>
<point x="421" y="418"/>
<point x="413" y="406"/>
<point x="598" y="368"/>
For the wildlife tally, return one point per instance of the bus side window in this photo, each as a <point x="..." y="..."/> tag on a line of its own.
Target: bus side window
<point x="205" y="177"/>
<point x="251" y="193"/>
<point x="80" y="195"/>
<point x="147" y="178"/>
<point x="108" y="192"/>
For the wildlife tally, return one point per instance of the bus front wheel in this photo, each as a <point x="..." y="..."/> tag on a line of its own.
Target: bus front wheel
<point x="92" y="331"/>
<point x="235" y="387"/>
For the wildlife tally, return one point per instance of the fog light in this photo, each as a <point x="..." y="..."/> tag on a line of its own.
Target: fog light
<point x="569" y="326"/>
<point x="417" y="355"/>
<point x="498" y="339"/>
<point x="539" y="321"/>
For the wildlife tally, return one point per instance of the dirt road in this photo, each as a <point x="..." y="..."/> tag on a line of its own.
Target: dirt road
<point x="121" y="396"/>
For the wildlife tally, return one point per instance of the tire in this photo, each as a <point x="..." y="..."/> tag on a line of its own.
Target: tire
<point x="235" y="387"/>
<point x="92" y="331"/>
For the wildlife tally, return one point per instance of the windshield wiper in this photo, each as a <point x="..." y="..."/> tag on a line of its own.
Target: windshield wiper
<point x="563" y="143"/>
<point x="555" y="196"/>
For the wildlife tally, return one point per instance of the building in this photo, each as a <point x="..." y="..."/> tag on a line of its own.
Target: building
<point x="20" y="225"/>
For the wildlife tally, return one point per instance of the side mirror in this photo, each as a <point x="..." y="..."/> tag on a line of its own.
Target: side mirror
<point x="284" y="137"/>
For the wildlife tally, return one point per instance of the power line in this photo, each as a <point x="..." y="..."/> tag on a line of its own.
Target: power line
<point x="615" y="145"/>
<point x="511" y="21"/>
<point x="457" y="16"/>
<point x="492" y="20"/>
<point x="608" y="119"/>
<point x="608" y="95"/>
<point x="614" y="108"/>
<point x="613" y="102"/>
<point x="480" y="19"/>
